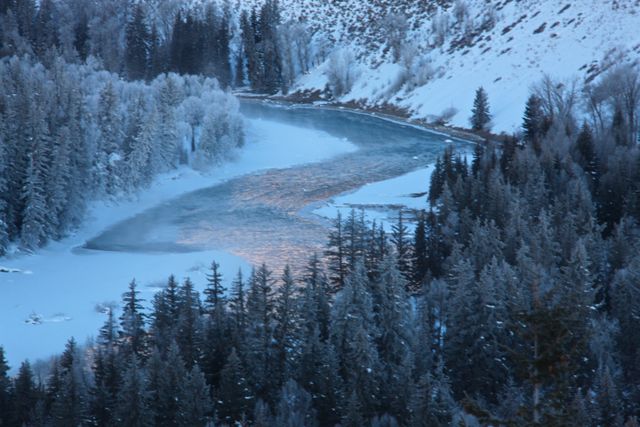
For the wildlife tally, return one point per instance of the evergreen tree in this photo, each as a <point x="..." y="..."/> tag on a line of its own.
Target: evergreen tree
<point x="188" y="324"/>
<point x="533" y="122"/>
<point x="215" y="291"/>
<point x="137" y="45"/>
<point x="588" y="159"/>
<point x="400" y="240"/>
<point x="237" y="304"/>
<point x="420" y="263"/>
<point x="25" y="395"/>
<point x="45" y="34"/>
<point x="6" y="392"/>
<point x="286" y="328"/>
<point x="195" y="400"/>
<point x="259" y="354"/>
<point x="33" y="233"/>
<point x="132" y="408"/>
<point x="336" y="254"/>
<point x="395" y="342"/>
<point x="68" y="391"/>
<point x="132" y="334"/>
<point x="353" y="334"/>
<point x="480" y="116"/>
<point x="294" y="407"/>
<point x="107" y="167"/>
<point x="167" y="381"/>
<point x="234" y="399"/>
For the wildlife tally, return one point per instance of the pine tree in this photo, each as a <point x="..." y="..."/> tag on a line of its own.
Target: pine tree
<point x="45" y="34"/>
<point x="68" y="394"/>
<point x="166" y="154"/>
<point x="295" y="407"/>
<point x="400" y="240"/>
<point x="215" y="291"/>
<point x="167" y="381"/>
<point x="137" y="45"/>
<point x="195" y="401"/>
<point x="420" y="264"/>
<point x="234" y="399"/>
<point x="25" y="395"/>
<point x="81" y="36"/>
<point x="480" y="116"/>
<point x="533" y="122"/>
<point x="286" y="328"/>
<point x="108" y="158"/>
<point x="6" y="392"/>
<point x="33" y="232"/>
<point x="259" y="352"/>
<point x="432" y="403"/>
<point x="237" y="304"/>
<point x="4" y="172"/>
<point x="133" y="334"/>
<point x="132" y="408"/>
<point x="188" y="324"/>
<point x="353" y="334"/>
<point x="336" y="254"/>
<point x="588" y="159"/>
<point x="395" y="327"/>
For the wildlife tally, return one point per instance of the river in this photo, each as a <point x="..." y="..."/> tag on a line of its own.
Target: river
<point x="264" y="216"/>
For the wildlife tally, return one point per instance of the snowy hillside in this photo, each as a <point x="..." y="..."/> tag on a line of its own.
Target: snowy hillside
<point x="429" y="57"/>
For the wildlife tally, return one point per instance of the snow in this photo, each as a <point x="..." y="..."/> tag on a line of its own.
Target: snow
<point x="571" y="40"/>
<point x="69" y="286"/>
<point x="381" y="200"/>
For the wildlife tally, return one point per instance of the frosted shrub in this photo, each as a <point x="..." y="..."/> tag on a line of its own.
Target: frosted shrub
<point x="440" y="28"/>
<point x="342" y="72"/>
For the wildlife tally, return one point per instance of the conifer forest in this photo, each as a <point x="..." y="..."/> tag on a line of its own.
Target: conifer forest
<point x="340" y="213"/>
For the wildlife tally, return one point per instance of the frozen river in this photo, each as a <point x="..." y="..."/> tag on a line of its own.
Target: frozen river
<point x="265" y="216"/>
<point x="257" y="208"/>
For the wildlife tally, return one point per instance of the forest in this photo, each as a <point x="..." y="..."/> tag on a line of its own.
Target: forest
<point x="512" y="300"/>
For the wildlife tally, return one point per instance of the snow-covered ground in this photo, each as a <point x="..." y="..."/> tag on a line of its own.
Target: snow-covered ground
<point x="61" y="291"/>
<point x="505" y="46"/>
<point x="381" y="200"/>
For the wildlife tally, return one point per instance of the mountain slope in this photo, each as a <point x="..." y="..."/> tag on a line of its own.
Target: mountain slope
<point x="428" y="57"/>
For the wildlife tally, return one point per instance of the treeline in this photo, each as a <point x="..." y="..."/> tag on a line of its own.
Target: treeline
<point x="143" y="39"/>
<point x="73" y="133"/>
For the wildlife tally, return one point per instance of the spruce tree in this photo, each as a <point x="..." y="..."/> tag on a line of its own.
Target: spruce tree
<point x="195" y="400"/>
<point x="400" y="240"/>
<point x="25" y="395"/>
<point x="6" y="392"/>
<point x="237" y="305"/>
<point x="188" y="324"/>
<point x="480" y="116"/>
<point x="137" y="45"/>
<point x="336" y="254"/>
<point x="287" y="327"/>
<point x="234" y="396"/>
<point x="354" y="334"/>
<point x="132" y="408"/>
<point x="215" y="291"/>
<point x="295" y="407"/>
<point x="533" y="122"/>
<point x="260" y="353"/>
<point x="133" y="334"/>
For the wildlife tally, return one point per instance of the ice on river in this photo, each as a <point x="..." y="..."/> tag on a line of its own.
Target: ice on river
<point x="40" y="311"/>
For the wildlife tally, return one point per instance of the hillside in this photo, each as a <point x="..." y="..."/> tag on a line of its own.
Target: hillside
<point x="429" y="57"/>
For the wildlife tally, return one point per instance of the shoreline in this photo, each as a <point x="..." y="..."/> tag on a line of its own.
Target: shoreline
<point x="391" y="114"/>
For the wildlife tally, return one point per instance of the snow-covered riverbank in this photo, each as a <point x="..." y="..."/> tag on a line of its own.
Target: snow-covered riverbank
<point x="59" y="291"/>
